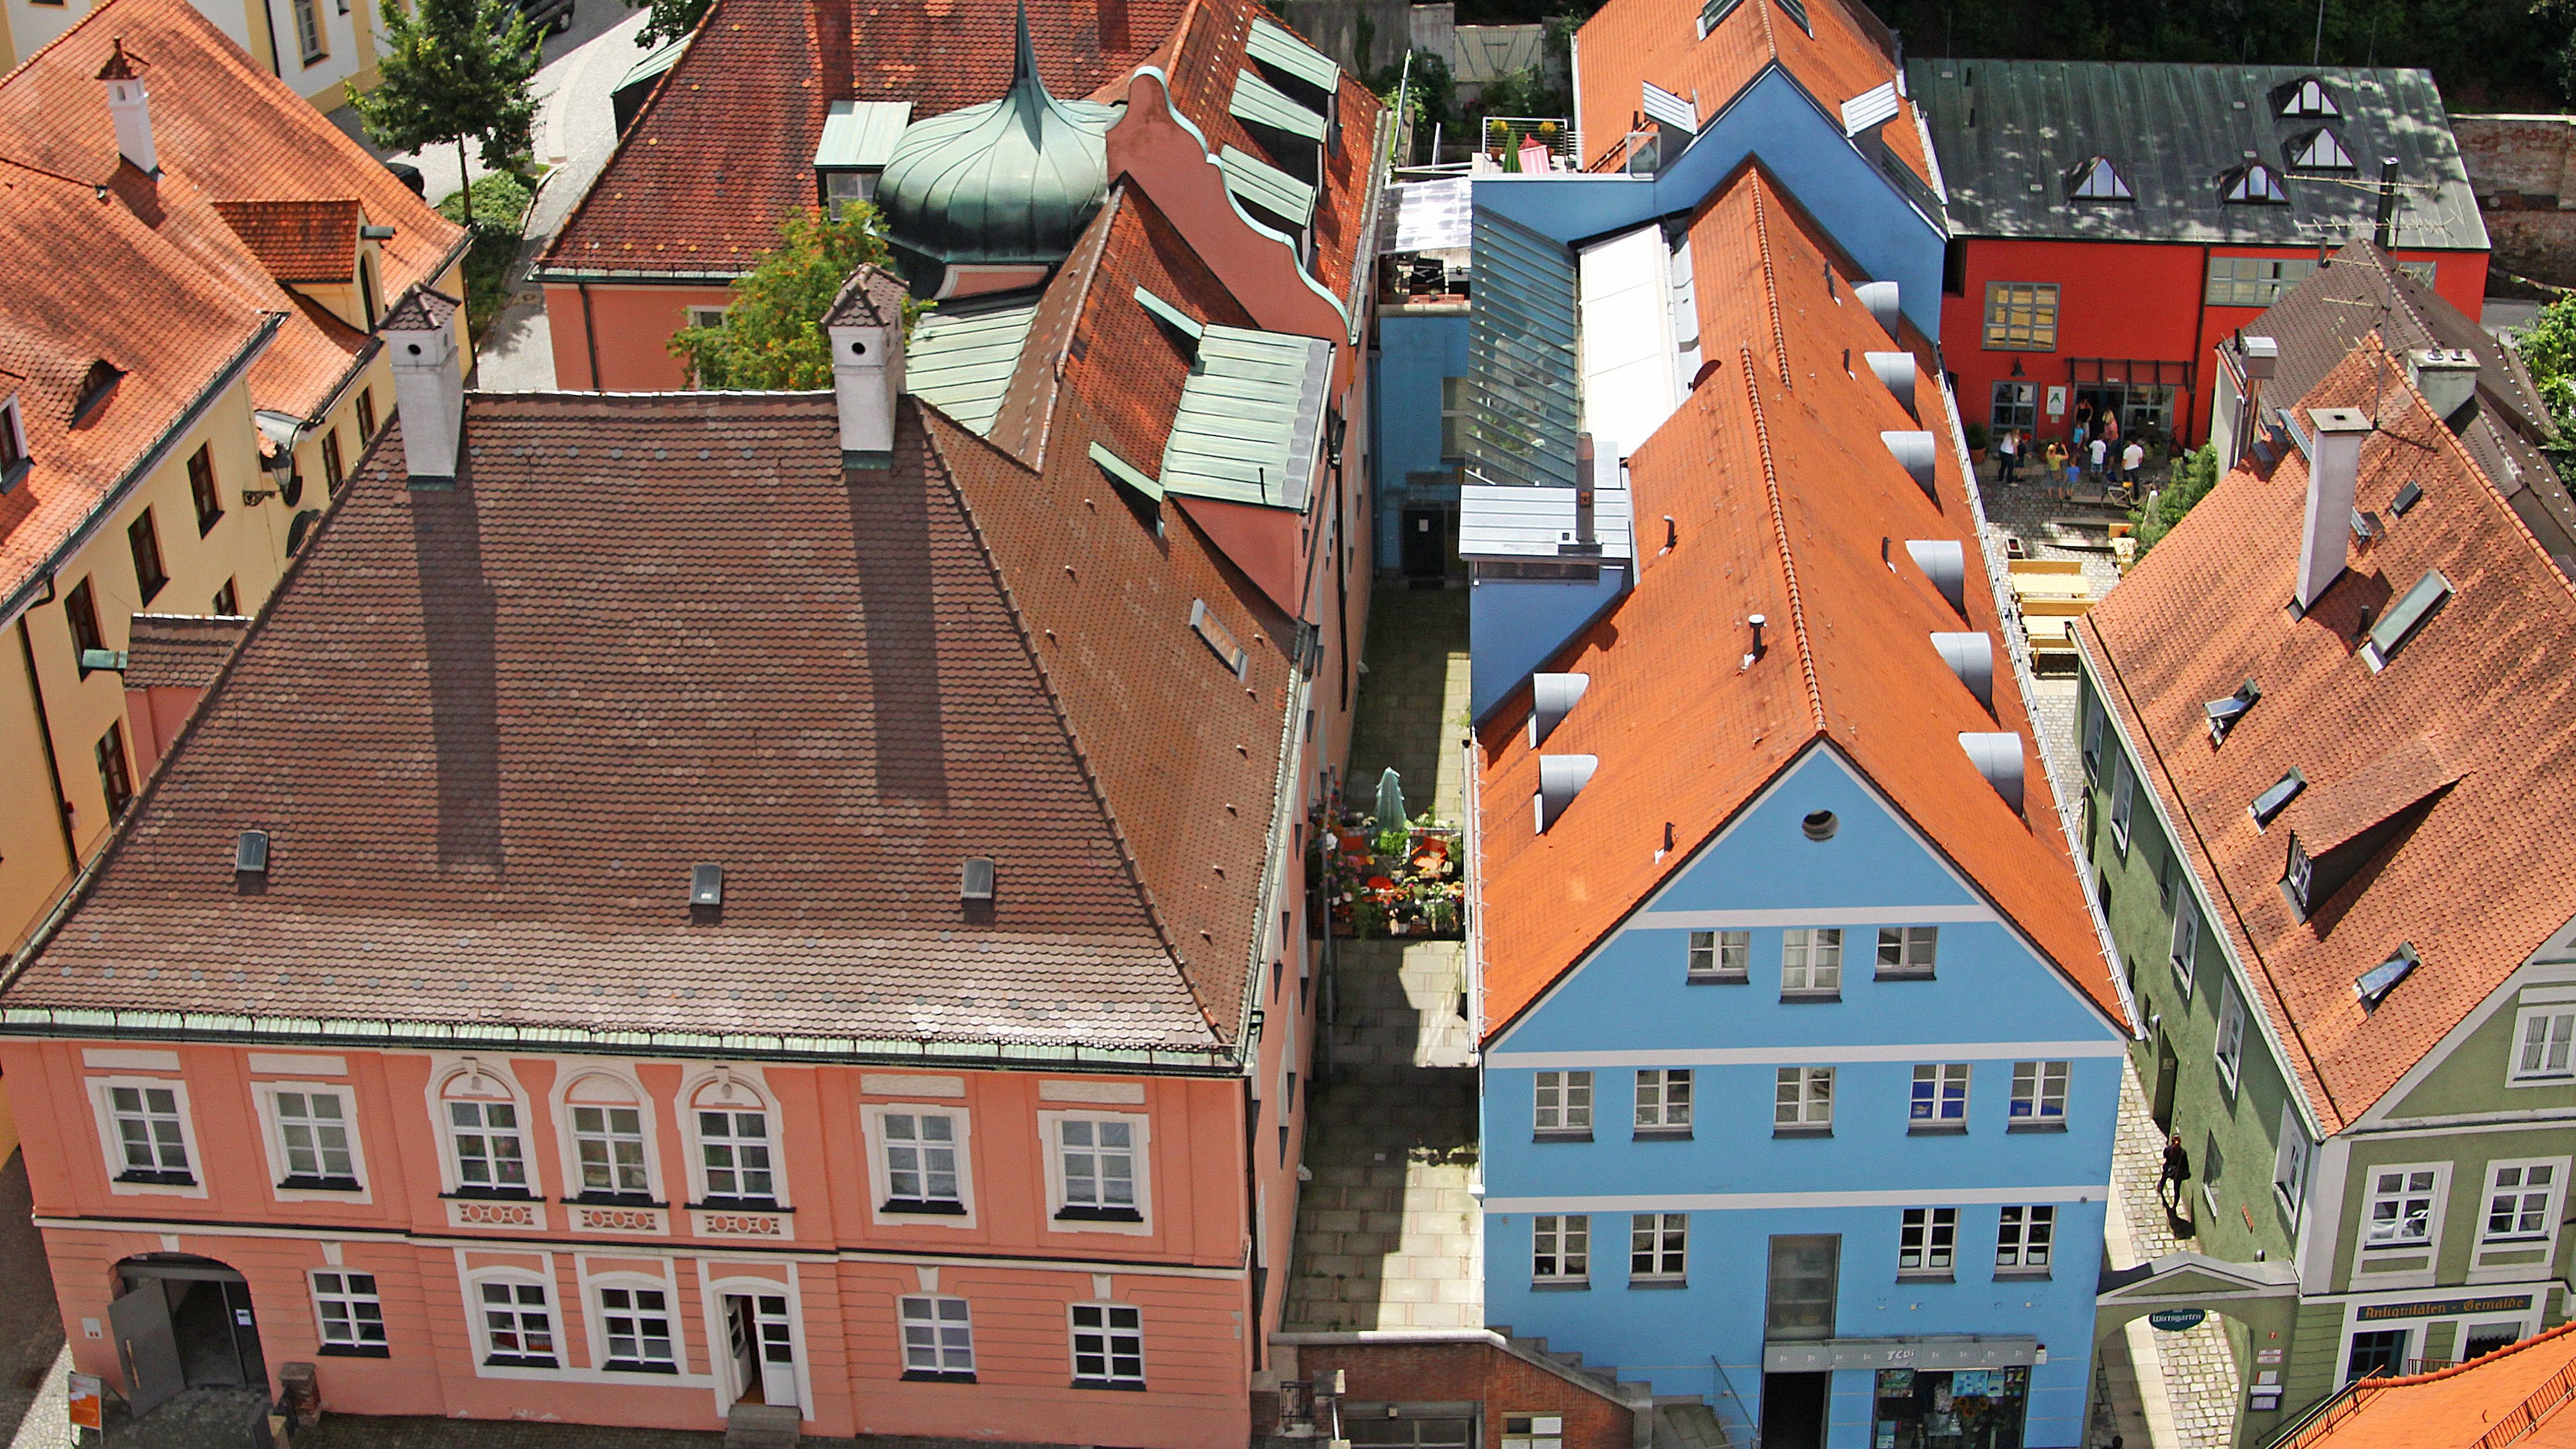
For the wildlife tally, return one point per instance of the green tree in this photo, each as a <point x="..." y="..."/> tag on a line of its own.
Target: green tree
<point x="2191" y="483"/>
<point x="454" y="71"/>
<point x="2548" y="348"/>
<point x="670" y="20"/>
<point x="772" y="334"/>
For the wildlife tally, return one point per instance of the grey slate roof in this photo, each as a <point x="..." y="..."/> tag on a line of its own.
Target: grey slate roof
<point x="2009" y="132"/>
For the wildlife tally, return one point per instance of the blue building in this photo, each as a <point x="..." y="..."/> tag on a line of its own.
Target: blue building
<point x="1801" y="1058"/>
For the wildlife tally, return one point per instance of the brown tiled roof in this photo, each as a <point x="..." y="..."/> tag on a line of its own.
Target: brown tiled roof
<point x="180" y="650"/>
<point x="1780" y="493"/>
<point x="873" y="297"/>
<point x="2488" y="684"/>
<point x="488" y="761"/>
<point x="1629" y="42"/>
<point x="421" y="309"/>
<point x="299" y="241"/>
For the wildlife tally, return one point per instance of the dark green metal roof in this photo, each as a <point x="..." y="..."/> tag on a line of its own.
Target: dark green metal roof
<point x="961" y="356"/>
<point x="1258" y="183"/>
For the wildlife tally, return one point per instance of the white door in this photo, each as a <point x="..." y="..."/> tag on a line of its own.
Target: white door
<point x="746" y="1353"/>
<point x="777" y="1349"/>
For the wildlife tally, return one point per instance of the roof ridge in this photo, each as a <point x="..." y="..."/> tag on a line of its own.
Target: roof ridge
<point x="1770" y="288"/>
<point x="1780" y="534"/>
<point x="2447" y="441"/>
<point x="1077" y="305"/>
<point x="1055" y="700"/>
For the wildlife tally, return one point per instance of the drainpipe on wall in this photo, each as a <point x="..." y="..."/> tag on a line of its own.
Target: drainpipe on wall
<point x="45" y="733"/>
<point x="589" y="338"/>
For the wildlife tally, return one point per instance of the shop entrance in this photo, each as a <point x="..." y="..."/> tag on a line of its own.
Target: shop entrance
<point x="183" y="1322"/>
<point x="1793" y="1410"/>
<point x="1949" y="1409"/>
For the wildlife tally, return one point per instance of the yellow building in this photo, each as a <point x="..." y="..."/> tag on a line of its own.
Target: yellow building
<point x="193" y="264"/>
<point x="318" y="48"/>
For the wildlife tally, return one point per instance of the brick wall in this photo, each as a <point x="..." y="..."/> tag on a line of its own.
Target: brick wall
<point x="1464" y="1372"/>
<point x="2519" y="168"/>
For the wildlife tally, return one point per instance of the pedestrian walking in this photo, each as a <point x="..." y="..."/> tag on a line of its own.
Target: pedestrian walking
<point x="2007" y="456"/>
<point x="2098" y="449"/>
<point x="2177" y="1172"/>
<point x="2060" y="472"/>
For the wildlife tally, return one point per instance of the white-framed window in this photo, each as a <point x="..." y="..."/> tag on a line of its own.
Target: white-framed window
<point x="1803" y="1101"/>
<point x="2522" y="1200"/>
<point x="2290" y="1162"/>
<point x="1561" y="1104"/>
<point x="1663" y="1101"/>
<point x="1561" y="1248"/>
<point x="734" y="1143"/>
<point x="610" y="1138"/>
<point x="1108" y="1346"/>
<point x="483" y="1127"/>
<point x="1096" y="1169"/>
<point x="1907" y="950"/>
<point x="1658" y="1247"/>
<point x="13" y="442"/>
<point x="1721" y="955"/>
<point x="919" y="1164"/>
<point x="706" y="316"/>
<point x="2093" y="727"/>
<point x="312" y="1138"/>
<point x="938" y="1338"/>
<point x="1940" y="1099"/>
<point x="2024" y="1237"/>
<point x="2542" y="1035"/>
<point x="348" y="1316"/>
<point x="308" y="31"/>
<point x="2403" y="1205"/>
<point x="635" y="1327"/>
<point x="2230" y="1048"/>
<point x="1811" y="961"/>
<point x="2185" y="955"/>
<point x="2038" y="1095"/>
<point x="515" y="1319"/>
<point x="2124" y="799"/>
<point x="148" y="1138"/>
<point x="1927" y="1242"/>
<point x="1534" y="1431"/>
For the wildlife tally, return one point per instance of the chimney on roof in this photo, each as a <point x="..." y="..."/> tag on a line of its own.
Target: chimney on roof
<point x="2385" y="231"/>
<point x="2334" y="474"/>
<point x="429" y="383"/>
<point x="2447" y="377"/>
<point x="865" y="325"/>
<point x="129" y="105"/>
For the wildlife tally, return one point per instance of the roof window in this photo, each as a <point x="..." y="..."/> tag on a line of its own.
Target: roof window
<point x="13" y="445"/>
<point x="2253" y="184"/>
<point x="96" y="386"/>
<point x="2306" y="96"/>
<point x="2098" y="180"/>
<point x="2224" y="713"/>
<point x="1797" y="11"/>
<point x="706" y="885"/>
<point x="2400" y="623"/>
<point x="1218" y="638"/>
<point x="2277" y="799"/>
<point x="975" y="881"/>
<point x="1713" y="12"/>
<point x="2318" y="150"/>
<point x="2374" y="984"/>
<point x="2407" y="497"/>
<point x="250" y="853"/>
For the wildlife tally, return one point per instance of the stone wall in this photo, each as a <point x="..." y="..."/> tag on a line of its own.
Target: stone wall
<point x="2519" y="166"/>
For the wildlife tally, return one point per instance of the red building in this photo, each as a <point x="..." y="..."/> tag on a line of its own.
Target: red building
<point x="2110" y="223"/>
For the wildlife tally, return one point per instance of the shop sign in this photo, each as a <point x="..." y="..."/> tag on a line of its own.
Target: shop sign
<point x="2175" y="1320"/>
<point x="2442" y="1308"/>
<point x="85" y="1401"/>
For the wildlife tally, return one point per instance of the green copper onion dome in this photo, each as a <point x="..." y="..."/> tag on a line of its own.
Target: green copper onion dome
<point x="1012" y="180"/>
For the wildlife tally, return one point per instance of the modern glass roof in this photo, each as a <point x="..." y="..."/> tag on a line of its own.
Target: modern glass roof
<point x="1520" y="357"/>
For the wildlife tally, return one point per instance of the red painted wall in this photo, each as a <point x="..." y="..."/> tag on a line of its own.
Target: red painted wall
<point x="629" y="328"/>
<point x="2138" y="301"/>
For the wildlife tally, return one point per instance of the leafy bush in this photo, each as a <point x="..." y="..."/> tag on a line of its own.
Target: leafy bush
<point x="1978" y="437"/>
<point x="2548" y="348"/>
<point x="772" y="334"/>
<point x="500" y="199"/>
<point x="2191" y="483"/>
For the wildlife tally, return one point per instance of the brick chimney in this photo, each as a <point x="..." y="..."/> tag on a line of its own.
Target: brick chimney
<point x="865" y="325"/>
<point x="429" y="383"/>
<point x="129" y="105"/>
<point x="2334" y="474"/>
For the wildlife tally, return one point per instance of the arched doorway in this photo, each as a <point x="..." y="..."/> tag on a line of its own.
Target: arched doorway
<point x="2255" y="1306"/>
<point x="183" y="1322"/>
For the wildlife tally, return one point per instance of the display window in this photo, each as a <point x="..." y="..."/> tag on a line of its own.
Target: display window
<point x="1953" y="1409"/>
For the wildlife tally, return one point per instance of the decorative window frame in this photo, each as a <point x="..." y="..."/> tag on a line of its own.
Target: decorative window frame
<point x="872" y="1131"/>
<point x="112" y="1147"/>
<point x="750" y="1081"/>
<point x="451" y="1177"/>
<point x="480" y="1333"/>
<point x="721" y="1277"/>
<point x="313" y="1300"/>
<point x="2557" y="1203"/>
<point x="2438" y="1208"/>
<point x="595" y="1321"/>
<point x="559" y="1105"/>
<point x="903" y="1349"/>
<point x="272" y="1137"/>
<point x="1073" y="1354"/>
<point x="1050" y="1142"/>
<point x="2514" y="1075"/>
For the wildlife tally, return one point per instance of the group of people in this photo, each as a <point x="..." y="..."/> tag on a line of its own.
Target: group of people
<point x="2097" y="453"/>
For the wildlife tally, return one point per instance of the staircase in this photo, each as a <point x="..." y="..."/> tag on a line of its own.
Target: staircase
<point x="1675" y="1421"/>
<point x="762" y="1426"/>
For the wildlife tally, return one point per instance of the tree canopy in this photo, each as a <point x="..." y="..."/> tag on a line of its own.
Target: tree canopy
<point x="772" y="334"/>
<point x="454" y="71"/>
<point x="670" y="20"/>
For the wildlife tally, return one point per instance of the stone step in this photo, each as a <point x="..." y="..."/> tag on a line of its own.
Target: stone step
<point x="762" y="1426"/>
<point x="1691" y="1425"/>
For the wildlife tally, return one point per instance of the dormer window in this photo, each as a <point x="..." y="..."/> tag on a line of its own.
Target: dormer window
<point x="97" y="385"/>
<point x="858" y="140"/>
<point x="2224" y="713"/>
<point x="2098" y="180"/>
<point x="2254" y="184"/>
<point x="1713" y="12"/>
<point x="2318" y="150"/>
<point x="13" y="445"/>
<point x="2373" y="985"/>
<point x="2306" y="96"/>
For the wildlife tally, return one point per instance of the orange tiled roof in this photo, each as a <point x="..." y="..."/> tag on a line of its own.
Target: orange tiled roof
<point x="1780" y="492"/>
<point x="2454" y="1408"/>
<point x="299" y="241"/>
<point x="2487" y="683"/>
<point x="1628" y="42"/>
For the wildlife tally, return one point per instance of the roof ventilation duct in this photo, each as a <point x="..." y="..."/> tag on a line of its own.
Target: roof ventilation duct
<point x="2334" y="474"/>
<point x="1560" y="779"/>
<point x="1945" y="562"/>
<point x="1971" y="657"/>
<point x="2447" y="377"/>
<point x="1881" y="300"/>
<point x="1913" y="453"/>
<point x="1552" y="698"/>
<point x="1997" y="757"/>
<point x="1896" y="370"/>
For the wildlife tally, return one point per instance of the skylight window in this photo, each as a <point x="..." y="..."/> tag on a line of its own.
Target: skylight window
<point x="1713" y="12"/>
<point x="2374" y="984"/>
<point x="1797" y="10"/>
<point x="2224" y="713"/>
<point x="2099" y="180"/>
<point x="2318" y="150"/>
<point x="2400" y="623"/>
<point x="2308" y="96"/>
<point x="2277" y="799"/>
<point x="2407" y="497"/>
<point x="2254" y="184"/>
<point x="100" y="381"/>
<point x="1218" y="638"/>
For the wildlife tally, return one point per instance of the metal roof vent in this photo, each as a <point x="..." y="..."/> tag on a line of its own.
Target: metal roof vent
<point x="2407" y="497"/>
<point x="706" y="885"/>
<point x="1560" y="779"/>
<point x="975" y="882"/>
<point x="1881" y="300"/>
<point x="250" y="853"/>
<point x="1945" y="562"/>
<point x="1552" y="698"/>
<point x="1971" y="656"/>
<point x="2224" y="713"/>
<point x="2373" y="985"/>
<point x="1896" y="370"/>
<point x="1913" y="452"/>
<point x="1998" y="757"/>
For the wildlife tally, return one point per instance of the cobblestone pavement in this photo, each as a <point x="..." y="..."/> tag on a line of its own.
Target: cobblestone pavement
<point x="32" y="1361"/>
<point x="1413" y="700"/>
<point x="2198" y="1371"/>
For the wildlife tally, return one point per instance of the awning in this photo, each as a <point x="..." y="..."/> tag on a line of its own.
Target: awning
<point x="1263" y="104"/>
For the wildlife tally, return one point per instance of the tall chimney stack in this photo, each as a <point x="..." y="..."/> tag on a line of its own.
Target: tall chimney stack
<point x="429" y="383"/>
<point x="865" y="325"/>
<point x="2385" y="232"/>
<point x="129" y="105"/>
<point x="2334" y="473"/>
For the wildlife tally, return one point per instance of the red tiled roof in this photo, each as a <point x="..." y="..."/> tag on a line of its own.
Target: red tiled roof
<point x="2455" y="1408"/>
<point x="1629" y="42"/>
<point x="299" y="241"/>
<point x="488" y="762"/>
<point x="1780" y="492"/>
<point x="2488" y="684"/>
<point x="182" y="650"/>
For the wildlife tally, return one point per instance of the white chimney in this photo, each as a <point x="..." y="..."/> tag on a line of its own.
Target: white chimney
<point x="2447" y="377"/>
<point x="429" y="382"/>
<point x="2334" y="473"/>
<point x="865" y="326"/>
<point x="129" y="104"/>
